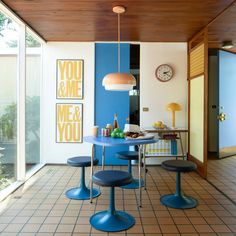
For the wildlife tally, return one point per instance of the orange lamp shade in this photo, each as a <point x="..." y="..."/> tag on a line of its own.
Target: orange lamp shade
<point x="119" y="82"/>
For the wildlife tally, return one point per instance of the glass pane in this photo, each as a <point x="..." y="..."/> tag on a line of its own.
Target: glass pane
<point x="8" y="100"/>
<point x="32" y="106"/>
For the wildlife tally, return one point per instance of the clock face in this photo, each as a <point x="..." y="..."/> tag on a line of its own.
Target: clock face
<point x="164" y="73"/>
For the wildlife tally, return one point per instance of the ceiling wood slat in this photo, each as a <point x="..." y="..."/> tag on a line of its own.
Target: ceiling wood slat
<point x="93" y="20"/>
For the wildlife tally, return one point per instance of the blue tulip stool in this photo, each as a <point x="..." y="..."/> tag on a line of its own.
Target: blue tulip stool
<point x="112" y="220"/>
<point x="179" y="200"/>
<point x="129" y="156"/>
<point x="81" y="192"/>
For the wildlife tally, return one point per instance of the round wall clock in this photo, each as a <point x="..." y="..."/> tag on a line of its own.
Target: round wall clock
<point x="164" y="72"/>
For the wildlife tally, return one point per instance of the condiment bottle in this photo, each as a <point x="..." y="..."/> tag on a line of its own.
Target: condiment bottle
<point x="115" y="123"/>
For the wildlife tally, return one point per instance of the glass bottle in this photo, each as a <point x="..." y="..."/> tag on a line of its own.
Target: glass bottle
<point x="115" y="123"/>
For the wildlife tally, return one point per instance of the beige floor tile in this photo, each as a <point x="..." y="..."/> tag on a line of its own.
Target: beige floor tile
<point x="169" y="229"/>
<point x="148" y="221"/>
<point x="65" y="228"/>
<point x="50" y="213"/>
<point x="48" y="228"/>
<point x="13" y="228"/>
<point x="29" y="228"/>
<point x="181" y="220"/>
<point x="135" y="229"/>
<point x="220" y="228"/>
<point x="151" y="229"/>
<point x="214" y="220"/>
<point x="52" y="220"/>
<point x="203" y="228"/>
<point x="36" y="219"/>
<point x="186" y="229"/>
<point x="82" y="229"/>
<point x="6" y="219"/>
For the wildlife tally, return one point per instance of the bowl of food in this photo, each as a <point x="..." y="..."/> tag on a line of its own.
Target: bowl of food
<point x="159" y="125"/>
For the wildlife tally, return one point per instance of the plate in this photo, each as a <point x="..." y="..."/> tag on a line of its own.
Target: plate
<point x="145" y="136"/>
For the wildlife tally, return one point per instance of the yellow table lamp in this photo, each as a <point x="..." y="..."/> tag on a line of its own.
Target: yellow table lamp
<point x="173" y="107"/>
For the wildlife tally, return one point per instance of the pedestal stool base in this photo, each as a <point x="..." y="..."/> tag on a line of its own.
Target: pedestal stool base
<point x="133" y="185"/>
<point x="179" y="202"/>
<point x="81" y="193"/>
<point x="118" y="221"/>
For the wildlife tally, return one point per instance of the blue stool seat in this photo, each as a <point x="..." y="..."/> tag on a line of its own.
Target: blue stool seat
<point x="179" y="200"/>
<point x="129" y="156"/>
<point x="112" y="220"/>
<point x="81" y="161"/>
<point x="81" y="192"/>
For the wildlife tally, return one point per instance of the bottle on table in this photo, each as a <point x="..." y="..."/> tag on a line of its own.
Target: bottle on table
<point x="115" y="123"/>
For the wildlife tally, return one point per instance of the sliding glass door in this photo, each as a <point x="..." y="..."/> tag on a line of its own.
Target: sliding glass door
<point x="32" y="101"/>
<point x="8" y="100"/>
<point x="20" y="80"/>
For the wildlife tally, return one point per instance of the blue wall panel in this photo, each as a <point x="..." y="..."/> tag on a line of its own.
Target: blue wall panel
<point x="227" y="98"/>
<point x="107" y="102"/>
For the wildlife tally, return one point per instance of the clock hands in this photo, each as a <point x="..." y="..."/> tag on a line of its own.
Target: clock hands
<point x="166" y="72"/>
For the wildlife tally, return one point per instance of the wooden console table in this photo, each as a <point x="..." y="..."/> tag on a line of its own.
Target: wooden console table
<point x="177" y="131"/>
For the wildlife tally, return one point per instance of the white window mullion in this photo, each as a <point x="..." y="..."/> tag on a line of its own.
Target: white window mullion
<point x="21" y="85"/>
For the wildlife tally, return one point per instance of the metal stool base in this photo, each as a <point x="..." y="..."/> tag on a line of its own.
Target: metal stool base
<point x="178" y="201"/>
<point x="108" y="222"/>
<point x="133" y="185"/>
<point x="81" y="193"/>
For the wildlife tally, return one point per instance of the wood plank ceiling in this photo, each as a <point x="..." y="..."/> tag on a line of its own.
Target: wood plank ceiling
<point x="223" y="29"/>
<point x="93" y="20"/>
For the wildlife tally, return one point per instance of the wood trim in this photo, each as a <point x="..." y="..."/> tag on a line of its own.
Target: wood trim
<point x="196" y="76"/>
<point x="200" y="166"/>
<point x="197" y="60"/>
<point x="200" y="33"/>
<point x="196" y="46"/>
<point x="205" y="142"/>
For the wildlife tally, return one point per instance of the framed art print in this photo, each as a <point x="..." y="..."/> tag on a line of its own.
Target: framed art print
<point x="70" y="75"/>
<point x="69" y="122"/>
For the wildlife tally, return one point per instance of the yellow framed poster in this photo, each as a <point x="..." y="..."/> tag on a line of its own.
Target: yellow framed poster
<point x="70" y="75"/>
<point x="69" y="122"/>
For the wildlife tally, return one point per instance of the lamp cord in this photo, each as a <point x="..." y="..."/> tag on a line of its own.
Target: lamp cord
<point x="118" y="42"/>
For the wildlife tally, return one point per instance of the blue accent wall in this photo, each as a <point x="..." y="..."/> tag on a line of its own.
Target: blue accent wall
<point x="227" y="98"/>
<point x="107" y="103"/>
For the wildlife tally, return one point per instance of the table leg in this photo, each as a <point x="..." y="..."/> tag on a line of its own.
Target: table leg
<point x="139" y="174"/>
<point x="144" y="165"/>
<point x="103" y="157"/>
<point x="181" y="144"/>
<point x="91" y="174"/>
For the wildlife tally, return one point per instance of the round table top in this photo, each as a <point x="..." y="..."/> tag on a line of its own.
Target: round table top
<point x="109" y="142"/>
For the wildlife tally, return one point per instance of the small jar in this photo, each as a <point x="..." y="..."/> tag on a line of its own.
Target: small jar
<point x="110" y="127"/>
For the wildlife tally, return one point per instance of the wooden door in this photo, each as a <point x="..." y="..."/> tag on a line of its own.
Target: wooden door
<point x="197" y="101"/>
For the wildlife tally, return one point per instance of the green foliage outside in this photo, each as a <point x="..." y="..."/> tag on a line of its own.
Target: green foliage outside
<point x="8" y="129"/>
<point x="6" y="23"/>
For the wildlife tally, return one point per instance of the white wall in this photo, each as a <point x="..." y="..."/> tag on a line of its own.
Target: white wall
<point x="53" y="152"/>
<point x="155" y="94"/>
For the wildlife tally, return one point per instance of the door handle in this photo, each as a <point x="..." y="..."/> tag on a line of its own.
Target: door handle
<point x="221" y="117"/>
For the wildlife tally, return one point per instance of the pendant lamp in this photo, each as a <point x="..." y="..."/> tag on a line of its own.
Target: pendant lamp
<point x="119" y="81"/>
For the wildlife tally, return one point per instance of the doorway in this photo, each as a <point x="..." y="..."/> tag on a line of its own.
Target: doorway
<point x="222" y="122"/>
<point x="134" y="99"/>
<point x="221" y="108"/>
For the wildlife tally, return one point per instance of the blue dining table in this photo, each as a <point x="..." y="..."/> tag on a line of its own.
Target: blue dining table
<point x="114" y="142"/>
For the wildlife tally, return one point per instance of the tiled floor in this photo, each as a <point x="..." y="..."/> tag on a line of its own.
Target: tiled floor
<point x="40" y="207"/>
<point x="222" y="173"/>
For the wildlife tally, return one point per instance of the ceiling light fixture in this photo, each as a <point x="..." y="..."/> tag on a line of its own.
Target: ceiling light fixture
<point x="119" y="81"/>
<point x="227" y="45"/>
